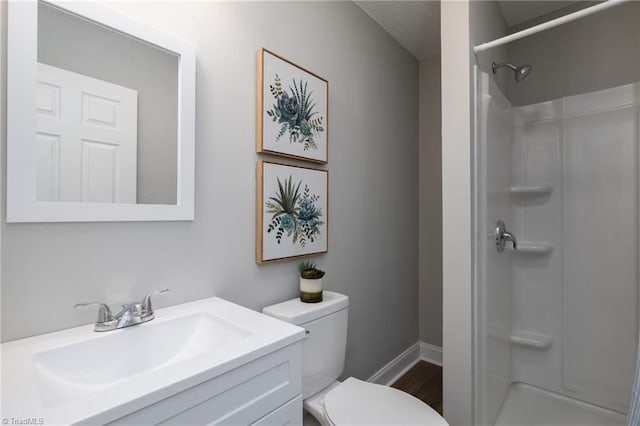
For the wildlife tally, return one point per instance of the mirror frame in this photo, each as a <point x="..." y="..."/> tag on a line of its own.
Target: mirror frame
<point x="22" y="49"/>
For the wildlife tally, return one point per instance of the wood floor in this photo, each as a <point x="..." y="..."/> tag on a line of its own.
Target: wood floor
<point x="424" y="381"/>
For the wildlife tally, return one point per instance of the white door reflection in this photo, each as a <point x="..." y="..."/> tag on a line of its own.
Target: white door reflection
<point x="86" y="137"/>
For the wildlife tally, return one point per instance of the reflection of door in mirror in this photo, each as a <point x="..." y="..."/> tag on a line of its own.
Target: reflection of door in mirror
<point x="70" y="42"/>
<point x="86" y="138"/>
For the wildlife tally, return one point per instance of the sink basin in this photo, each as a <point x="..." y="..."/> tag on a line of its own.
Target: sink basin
<point x="66" y="372"/>
<point x="78" y="375"/>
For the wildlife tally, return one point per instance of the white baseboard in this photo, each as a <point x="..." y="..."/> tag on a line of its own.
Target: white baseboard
<point x="431" y="353"/>
<point x="395" y="368"/>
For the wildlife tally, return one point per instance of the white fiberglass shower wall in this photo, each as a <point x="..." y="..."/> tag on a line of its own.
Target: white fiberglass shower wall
<point x="557" y="320"/>
<point x="575" y="298"/>
<point x="493" y="269"/>
<point x="560" y="313"/>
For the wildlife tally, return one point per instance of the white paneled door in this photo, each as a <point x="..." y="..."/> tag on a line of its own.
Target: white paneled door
<point x="86" y="138"/>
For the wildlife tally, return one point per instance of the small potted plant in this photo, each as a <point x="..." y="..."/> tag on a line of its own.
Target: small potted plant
<point x="310" y="282"/>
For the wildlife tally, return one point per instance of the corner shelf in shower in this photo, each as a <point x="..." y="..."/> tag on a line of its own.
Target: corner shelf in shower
<point x="531" y="339"/>
<point x="534" y="247"/>
<point x="530" y="189"/>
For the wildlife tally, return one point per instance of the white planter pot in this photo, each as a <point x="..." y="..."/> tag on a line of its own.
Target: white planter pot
<point x="311" y="290"/>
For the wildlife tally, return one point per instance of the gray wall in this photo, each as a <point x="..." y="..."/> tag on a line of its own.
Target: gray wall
<point x="373" y="194"/>
<point x="430" y="202"/>
<point x="77" y="45"/>
<point x="486" y="23"/>
<point x="592" y="53"/>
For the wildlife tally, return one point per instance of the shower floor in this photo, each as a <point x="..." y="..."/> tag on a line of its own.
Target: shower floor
<point x="530" y="406"/>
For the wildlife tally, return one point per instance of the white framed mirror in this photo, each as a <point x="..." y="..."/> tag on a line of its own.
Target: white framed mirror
<point x="100" y="117"/>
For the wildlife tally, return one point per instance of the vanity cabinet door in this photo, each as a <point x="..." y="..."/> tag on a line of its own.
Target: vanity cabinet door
<point x="239" y="397"/>
<point x="289" y="414"/>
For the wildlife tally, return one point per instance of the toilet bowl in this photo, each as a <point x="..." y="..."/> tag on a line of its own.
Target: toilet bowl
<point x="352" y="402"/>
<point x="355" y="402"/>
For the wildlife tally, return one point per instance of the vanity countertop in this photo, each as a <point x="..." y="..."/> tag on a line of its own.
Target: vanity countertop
<point x="79" y="375"/>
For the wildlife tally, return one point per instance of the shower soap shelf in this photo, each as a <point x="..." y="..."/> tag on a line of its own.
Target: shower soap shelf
<point x="530" y="189"/>
<point x="534" y="247"/>
<point x="531" y="339"/>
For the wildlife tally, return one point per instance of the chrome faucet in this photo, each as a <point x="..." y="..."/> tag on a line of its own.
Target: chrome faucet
<point x="131" y="313"/>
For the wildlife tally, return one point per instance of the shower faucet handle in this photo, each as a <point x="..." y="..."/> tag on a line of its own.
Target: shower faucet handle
<point x="502" y="236"/>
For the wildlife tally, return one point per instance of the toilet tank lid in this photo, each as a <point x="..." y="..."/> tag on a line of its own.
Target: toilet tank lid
<point x="297" y="312"/>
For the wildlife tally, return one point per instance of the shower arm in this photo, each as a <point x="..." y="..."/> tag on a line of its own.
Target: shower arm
<point x="495" y="66"/>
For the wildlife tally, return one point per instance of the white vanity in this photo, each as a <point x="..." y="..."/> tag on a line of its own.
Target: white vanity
<point x="204" y="362"/>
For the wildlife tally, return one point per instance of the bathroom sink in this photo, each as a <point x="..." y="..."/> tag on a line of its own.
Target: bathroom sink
<point x="66" y="372"/>
<point x="77" y="374"/>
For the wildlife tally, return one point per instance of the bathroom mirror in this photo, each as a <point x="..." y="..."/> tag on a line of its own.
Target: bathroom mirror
<point x="100" y="117"/>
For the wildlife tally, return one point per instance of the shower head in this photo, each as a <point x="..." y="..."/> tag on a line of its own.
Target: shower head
<point x="521" y="72"/>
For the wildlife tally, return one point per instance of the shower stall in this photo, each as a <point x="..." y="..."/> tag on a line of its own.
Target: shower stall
<point x="557" y="162"/>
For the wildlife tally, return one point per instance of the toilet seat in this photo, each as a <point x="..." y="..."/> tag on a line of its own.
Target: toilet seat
<point x="354" y="402"/>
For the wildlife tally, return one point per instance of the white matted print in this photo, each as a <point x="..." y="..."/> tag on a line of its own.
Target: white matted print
<point x="292" y="205"/>
<point x="292" y="110"/>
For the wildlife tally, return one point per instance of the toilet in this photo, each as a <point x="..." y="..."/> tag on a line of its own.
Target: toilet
<point x="352" y="402"/>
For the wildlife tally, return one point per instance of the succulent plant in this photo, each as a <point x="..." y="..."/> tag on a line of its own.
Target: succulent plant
<point x="309" y="270"/>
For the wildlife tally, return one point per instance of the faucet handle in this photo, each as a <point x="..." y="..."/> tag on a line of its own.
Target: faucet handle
<point x="104" y="313"/>
<point x="146" y="302"/>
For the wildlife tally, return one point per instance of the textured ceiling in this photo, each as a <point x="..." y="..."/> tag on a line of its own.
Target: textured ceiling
<point x="516" y="12"/>
<point x="416" y="24"/>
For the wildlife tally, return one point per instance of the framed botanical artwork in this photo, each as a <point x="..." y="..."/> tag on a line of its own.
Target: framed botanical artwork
<point x="292" y="110"/>
<point x="291" y="211"/>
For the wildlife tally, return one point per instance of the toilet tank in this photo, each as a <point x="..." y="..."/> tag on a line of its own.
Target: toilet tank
<point x="324" y="348"/>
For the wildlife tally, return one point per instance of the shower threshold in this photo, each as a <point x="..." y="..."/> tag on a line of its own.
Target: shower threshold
<point x="527" y="405"/>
